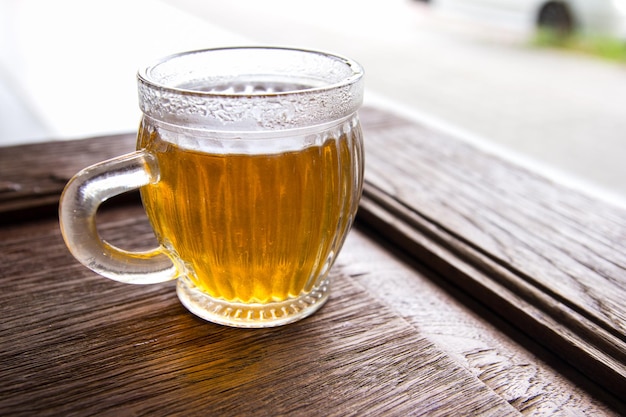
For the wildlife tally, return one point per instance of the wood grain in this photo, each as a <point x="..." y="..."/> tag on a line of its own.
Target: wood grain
<point x="33" y="176"/>
<point x="548" y="259"/>
<point x="73" y="343"/>
<point x="533" y="380"/>
<point x="544" y="259"/>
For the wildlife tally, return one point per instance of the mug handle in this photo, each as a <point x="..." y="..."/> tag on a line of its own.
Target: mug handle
<point x="78" y="206"/>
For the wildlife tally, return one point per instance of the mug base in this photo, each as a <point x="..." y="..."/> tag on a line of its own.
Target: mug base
<point x="254" y="315"/>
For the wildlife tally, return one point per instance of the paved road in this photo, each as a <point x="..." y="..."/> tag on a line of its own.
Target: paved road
<point x="558" y="109"/>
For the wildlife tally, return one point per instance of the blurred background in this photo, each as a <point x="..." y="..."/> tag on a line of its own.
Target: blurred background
<point x="540" y="82"/>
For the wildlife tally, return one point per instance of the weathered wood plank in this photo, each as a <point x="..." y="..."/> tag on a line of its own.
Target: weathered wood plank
<point x="548" y="259"/>
<point x="514" y="366"/>
<point x="74" y="343"/>
<point x="33" y="176"/>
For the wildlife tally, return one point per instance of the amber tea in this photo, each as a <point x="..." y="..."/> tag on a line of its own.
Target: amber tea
<point x="254" y="228"/>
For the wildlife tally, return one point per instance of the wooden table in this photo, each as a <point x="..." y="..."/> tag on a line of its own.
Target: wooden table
<point x="469" y="286"/>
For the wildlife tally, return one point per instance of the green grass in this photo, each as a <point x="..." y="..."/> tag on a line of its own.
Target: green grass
<point x="600" y="46"/>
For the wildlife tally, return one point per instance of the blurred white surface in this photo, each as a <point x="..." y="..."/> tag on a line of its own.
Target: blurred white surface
<point x="74" y="62"/>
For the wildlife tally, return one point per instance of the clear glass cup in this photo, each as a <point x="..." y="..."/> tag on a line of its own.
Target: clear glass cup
<point x="250" y="165"/>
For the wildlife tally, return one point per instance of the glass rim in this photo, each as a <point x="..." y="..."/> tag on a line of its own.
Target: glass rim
<point x="355" y="75"/>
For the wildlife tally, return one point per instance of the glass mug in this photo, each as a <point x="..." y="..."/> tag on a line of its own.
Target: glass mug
<point x="250" y="167"/>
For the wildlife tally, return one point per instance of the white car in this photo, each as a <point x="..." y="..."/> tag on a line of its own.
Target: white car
<point x="597" y="17"/>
